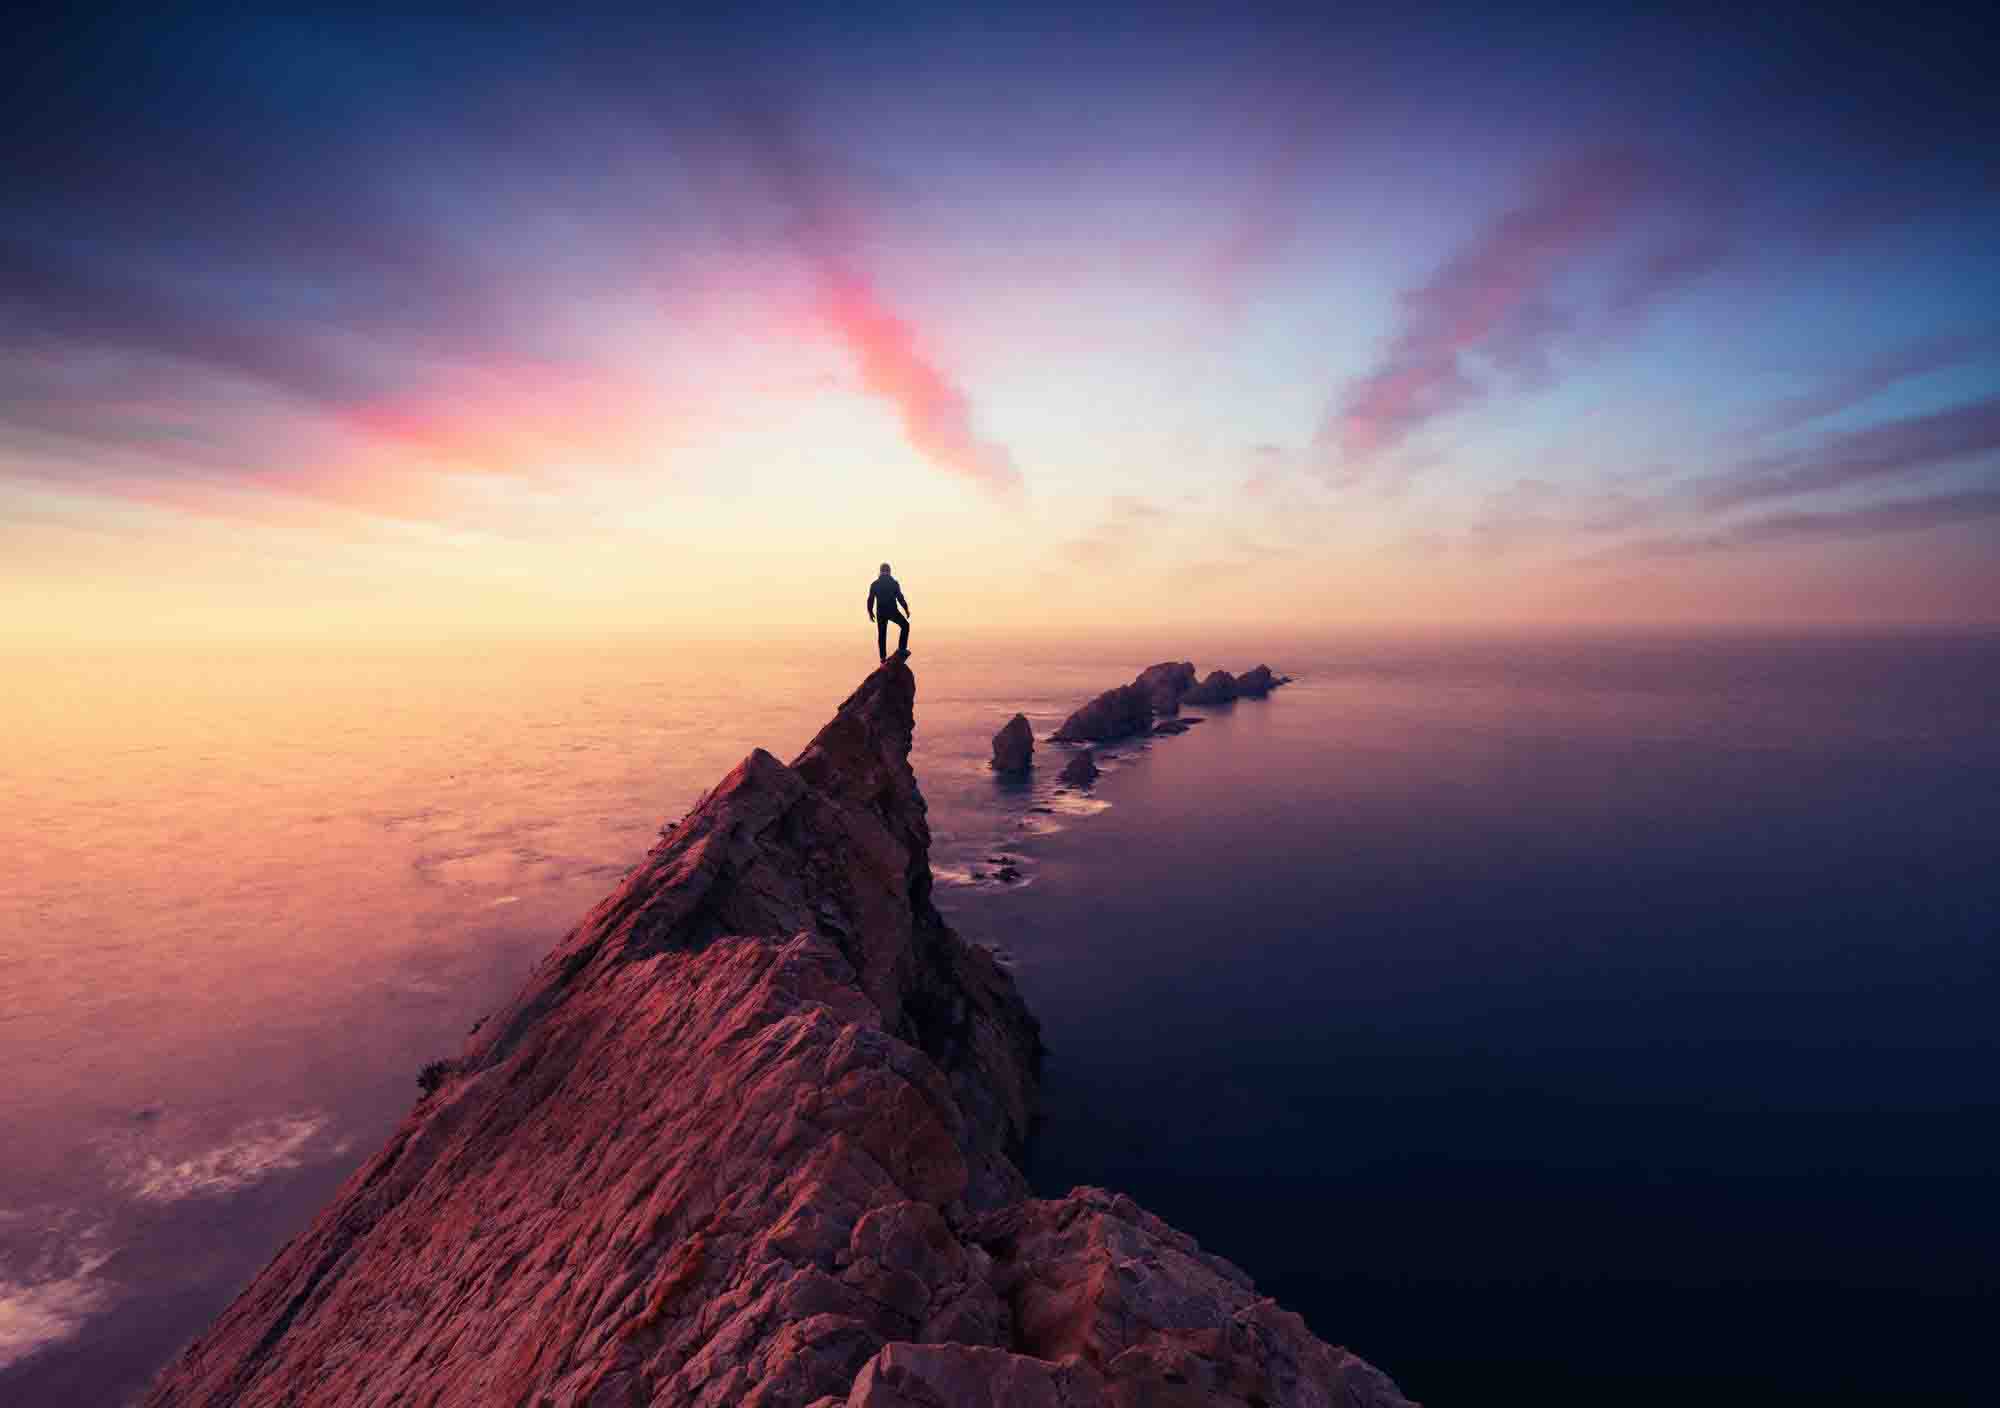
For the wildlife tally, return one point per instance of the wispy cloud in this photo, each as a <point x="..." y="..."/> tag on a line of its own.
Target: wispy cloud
<point x="227" y="361"/>
<point x="1852" y="388"/>
<point x="1117" y="536"/>
<point x="1268" y="218"/>
<point x="1494" y="301"/>
<point x="1534" y="512"/>
<point x="1891" y="516"/>
<point x="1898" y="448"/>
<point x="894" y="362"/>
<point x="1701" y="246"/>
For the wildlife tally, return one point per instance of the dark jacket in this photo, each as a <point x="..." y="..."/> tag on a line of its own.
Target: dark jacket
<point x="884" y="596"/>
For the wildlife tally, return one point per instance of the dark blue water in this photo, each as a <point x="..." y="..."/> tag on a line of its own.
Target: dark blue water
<point x="1601" y="1022"/>
<point x="1607" y="1021"/>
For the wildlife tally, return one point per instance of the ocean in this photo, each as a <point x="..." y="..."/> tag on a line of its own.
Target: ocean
<point x="1590" y="1017"/>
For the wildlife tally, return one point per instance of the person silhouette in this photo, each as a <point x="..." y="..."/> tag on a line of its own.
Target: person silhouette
<point x="884" y="596"/>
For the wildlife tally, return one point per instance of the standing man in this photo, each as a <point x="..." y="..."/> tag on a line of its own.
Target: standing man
<point x="884" y="596"/>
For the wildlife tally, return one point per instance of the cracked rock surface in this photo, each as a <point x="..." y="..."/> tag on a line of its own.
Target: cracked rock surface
<point x="750" y="1136"/>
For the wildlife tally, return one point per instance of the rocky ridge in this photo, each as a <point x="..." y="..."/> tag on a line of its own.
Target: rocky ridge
<point x="1158" y="693"/>
<point x="749" y="1136"/>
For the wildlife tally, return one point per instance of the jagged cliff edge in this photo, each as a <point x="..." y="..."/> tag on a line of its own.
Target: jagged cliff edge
<point x="749" y="1136"/>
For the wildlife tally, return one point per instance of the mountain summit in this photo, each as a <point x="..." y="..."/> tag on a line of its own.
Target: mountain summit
<point x="750" y="1135"/>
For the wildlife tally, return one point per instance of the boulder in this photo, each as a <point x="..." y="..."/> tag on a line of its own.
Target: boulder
<point x="1093" y="1279"/>
<point x="1014" y="747"/>
<point x="1116" y="713"/>
<point x="1081" y="770"/>
<point x="1112" y="1308"/>
<point x="1164" y="684"/>
<point x="1218" y="688"/>
<point x="1259" y="682"/>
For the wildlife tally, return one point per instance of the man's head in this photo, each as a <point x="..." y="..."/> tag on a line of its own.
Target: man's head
<point x="885" y="569"/>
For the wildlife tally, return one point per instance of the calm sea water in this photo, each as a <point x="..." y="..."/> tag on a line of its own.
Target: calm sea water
<point x="1610" y="1018"/>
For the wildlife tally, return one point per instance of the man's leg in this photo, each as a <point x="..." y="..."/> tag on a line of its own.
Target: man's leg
<point x="903" y="639"/>
<point x="882" y="636"/>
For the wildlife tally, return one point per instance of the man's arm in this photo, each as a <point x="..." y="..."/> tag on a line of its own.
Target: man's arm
<point x="905" y="601"/>
<point x="871" y="602"/>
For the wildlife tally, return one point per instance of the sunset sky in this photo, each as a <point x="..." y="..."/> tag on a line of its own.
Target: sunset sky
<point x="327" y="327"/>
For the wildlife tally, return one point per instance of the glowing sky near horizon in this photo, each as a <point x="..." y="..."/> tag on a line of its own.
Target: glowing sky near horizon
<point x="315" y="326"/>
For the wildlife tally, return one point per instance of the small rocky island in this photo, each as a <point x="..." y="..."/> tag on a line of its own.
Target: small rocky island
<point x="1151" y="704"/>
<point x="1081" y="770"/>
<point x="1014" y="747"/>
<point x="750" y="1137"/>
<point x="1159" y="692"/>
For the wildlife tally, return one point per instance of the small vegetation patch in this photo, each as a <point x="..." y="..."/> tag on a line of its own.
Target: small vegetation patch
<point x="434" y="1075"/>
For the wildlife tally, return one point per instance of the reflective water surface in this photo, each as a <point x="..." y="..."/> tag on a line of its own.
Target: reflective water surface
<point x="1610" y="1014"/>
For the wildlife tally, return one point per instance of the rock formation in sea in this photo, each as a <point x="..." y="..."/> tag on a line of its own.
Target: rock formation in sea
<point x="1259" y="682"/>
<point x="1218" y="687"/>
<point x="1081" y="770"/>
<point x="1164" y="684"/>
<point x="750" y="1136"/>
<point x="1114" y="714"/>
<point x="1014" y="747"/>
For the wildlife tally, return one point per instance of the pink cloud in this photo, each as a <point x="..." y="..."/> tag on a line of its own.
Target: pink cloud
<point x="890" y="352"/>
<point x="1495" y="300"/>
<point x="936" y="416"/>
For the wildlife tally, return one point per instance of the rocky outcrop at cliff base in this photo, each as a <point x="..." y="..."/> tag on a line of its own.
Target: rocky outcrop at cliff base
<point x="749" y="1137"/>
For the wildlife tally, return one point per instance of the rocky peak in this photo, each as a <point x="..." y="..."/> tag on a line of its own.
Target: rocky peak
<point x="747" y="1137"/>
<point x="862" y="755"/>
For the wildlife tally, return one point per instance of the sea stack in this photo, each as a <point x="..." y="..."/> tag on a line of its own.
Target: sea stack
<point x="1114" y="714"/>
<point x="1164" y="684"/>
<point x="1014" y="747"/>
<point x="1259" y="682"/>
<point x="1218" y="688"/>
<point x="1082" y="770"/>
<point x="749" y="1136"/>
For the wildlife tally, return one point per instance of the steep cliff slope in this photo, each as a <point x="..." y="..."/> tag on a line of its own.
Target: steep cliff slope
<point x="749" y="1136"/>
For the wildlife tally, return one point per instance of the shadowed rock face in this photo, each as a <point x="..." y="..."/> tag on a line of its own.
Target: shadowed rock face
<point x="1164" y="684"/>
<point x="1116" y="713"/>
<point x="1218" y="687"/>
<point x="1014" y="746"/>
<point x="1082" y="770"/>
<point x="748" y="1137"/>
<point x="1259" y="682"/>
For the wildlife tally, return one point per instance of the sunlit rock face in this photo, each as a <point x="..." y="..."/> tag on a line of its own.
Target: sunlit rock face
<point x="749" y="1136"/>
